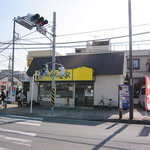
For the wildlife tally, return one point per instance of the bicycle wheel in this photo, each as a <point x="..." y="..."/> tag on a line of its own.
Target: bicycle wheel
<point x="101" y="104"/>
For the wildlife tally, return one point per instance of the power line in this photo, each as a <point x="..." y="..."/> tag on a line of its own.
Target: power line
<point x="84" y="41"/>
<point x="70" y="34"/>
<point x="65" y="43"/>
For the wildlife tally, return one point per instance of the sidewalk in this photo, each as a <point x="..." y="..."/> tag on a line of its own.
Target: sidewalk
<point x="140" y="115"/>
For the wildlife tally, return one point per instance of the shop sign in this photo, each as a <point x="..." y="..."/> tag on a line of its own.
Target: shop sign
<point x="48" y="77"/>
<point x="77" y="74"/>
<point x="3" y="83"/>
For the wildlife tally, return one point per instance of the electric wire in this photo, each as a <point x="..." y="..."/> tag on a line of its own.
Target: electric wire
<point x="85" y="41"/>
<point x="117" y="28"/>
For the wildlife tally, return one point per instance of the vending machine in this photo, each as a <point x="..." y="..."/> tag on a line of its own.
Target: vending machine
<point x="124" y="96"/>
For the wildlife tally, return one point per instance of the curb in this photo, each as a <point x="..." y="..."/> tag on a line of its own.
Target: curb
<point x="47" y="117"/>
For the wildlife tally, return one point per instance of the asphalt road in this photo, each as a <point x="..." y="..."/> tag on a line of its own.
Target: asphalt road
<point x="26" y="133"/>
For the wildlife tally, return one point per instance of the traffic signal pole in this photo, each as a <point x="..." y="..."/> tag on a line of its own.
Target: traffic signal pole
<point x="35" y="20"/>
<point x="53" y="88"/>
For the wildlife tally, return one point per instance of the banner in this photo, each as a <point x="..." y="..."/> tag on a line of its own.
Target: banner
<point x="147" y="93"/>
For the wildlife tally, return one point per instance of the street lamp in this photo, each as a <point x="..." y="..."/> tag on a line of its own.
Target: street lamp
<point x="45" y="70"/>
<point x="32" y="91"/>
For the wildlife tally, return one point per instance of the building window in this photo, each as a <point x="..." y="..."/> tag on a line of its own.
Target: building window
<point x="64" y="90"/>
<point x="135" y="63"/>
<point x="44" y="89"/>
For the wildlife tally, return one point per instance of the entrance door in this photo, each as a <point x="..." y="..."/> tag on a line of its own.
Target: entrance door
<point x="84" y="95"/>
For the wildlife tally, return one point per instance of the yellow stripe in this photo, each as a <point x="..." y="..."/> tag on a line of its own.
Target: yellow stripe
<point x="53" y="93"/>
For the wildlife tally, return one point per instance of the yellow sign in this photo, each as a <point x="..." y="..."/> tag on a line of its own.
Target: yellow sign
<point x="66" y="77"/>
<point x="82" y="74"/>
<point x="77" y="74"/>
<point x="29" y="61"/>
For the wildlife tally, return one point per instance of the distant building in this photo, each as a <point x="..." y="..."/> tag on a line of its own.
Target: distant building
<point x="34" y="54"/>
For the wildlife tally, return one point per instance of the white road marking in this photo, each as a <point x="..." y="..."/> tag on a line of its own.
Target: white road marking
<point x="28" y="123"/>
<point x="3" y="148"/>
<point x="14" y="140"/>
<point x="17" y="132"/>
<point x="21" y="121"/>
<point x="25" y="117"/>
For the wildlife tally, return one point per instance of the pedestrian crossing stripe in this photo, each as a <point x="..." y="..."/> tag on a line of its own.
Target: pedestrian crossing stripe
<point x="24" y="117"/>
<point x="18" y="132"/>
<point x="20" y="120"/>
<point x="15" y="140"/>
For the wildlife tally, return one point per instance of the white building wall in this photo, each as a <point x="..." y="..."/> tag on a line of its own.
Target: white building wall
<point x="107" y="86"/>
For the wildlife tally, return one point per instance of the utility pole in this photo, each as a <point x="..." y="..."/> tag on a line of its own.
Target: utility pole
<point x="130" y="59"/>
<point x="9" y="74"/>
<point x="13" y="51"/>
<point x="53" y="88"/>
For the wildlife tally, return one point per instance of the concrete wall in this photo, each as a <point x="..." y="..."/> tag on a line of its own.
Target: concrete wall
<point x="144" y="56"/>
<point x="108" y="87"/>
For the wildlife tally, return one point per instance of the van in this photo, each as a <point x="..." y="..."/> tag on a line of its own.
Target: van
<point x="142" y="97"/>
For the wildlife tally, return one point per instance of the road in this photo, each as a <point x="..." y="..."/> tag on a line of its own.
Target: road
<point x="28" y="133"/>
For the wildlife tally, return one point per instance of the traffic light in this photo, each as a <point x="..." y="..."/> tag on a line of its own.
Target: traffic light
<point x="38" y="20"/>
<point x="44" y="69"/>
<point x="61" y="71"/>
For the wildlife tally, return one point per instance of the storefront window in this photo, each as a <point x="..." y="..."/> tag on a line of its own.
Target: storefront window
<point x="44" y="89"/>
<point x="64" y="90"/>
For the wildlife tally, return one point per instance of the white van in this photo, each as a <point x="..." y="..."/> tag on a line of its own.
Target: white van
<point x="142" y="97"/>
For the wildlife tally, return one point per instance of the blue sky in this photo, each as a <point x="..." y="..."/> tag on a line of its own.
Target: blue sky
<point x="72" y="16"/>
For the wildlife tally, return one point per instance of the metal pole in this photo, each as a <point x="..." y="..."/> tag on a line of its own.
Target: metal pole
<point x="32" y="88"/>
<point x="130" y="59"/>
<point x="13" y="50"/>
<point x="53" y="88"/>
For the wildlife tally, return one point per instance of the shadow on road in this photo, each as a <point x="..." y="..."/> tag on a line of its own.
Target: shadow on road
<point x="109" y="138"/>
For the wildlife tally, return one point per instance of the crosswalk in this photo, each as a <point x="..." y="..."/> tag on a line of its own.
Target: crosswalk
<point x="18" y="130"/>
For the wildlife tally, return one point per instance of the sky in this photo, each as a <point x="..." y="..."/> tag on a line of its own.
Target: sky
<point x="76" y="20"/>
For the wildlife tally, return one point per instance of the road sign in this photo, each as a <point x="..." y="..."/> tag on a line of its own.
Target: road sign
<point x="41" y="30"/>
<point x="24" y="21"/>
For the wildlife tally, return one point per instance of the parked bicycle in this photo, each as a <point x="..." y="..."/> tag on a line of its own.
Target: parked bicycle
<point x="104" y="103"/>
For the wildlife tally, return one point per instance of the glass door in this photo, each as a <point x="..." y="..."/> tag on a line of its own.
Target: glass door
<point x="84" y="94"/>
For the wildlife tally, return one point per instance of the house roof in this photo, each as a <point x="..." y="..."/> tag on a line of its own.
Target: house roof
<point x="103" y="64"/>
